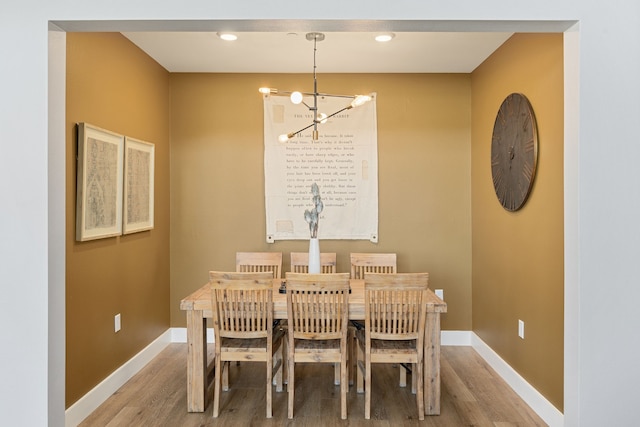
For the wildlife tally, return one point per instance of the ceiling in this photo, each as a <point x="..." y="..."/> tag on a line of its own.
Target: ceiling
<point x="339" y="52"/>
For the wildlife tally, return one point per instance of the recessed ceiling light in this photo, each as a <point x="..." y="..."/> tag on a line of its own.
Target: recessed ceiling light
<point x="385" y="37"/>
<point x="227" y="36"/>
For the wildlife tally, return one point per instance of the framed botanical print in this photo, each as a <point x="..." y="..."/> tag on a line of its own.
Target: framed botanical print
<point x="99" y="183"/>
<point x="138" y="185"/>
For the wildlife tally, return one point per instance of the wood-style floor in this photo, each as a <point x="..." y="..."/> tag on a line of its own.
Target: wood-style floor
<point x="472" y="395"/>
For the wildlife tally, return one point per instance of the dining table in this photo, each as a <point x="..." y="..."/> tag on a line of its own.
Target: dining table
<point x="198" y="308"/>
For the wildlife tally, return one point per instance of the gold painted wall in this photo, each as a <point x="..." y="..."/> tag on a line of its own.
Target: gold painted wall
<point x="433" y="148"/>
<point x="217" y="177"/>
<point x="113" y="85"/>
<point x="518" y="264"/>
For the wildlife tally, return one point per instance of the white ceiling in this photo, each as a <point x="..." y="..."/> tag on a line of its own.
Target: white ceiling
<point x="344" y="52"/>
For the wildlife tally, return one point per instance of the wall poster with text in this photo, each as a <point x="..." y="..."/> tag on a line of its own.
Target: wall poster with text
<point x="343" y="161"/>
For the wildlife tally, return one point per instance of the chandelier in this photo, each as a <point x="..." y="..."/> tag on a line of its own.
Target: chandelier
<point x="298" y="97"/>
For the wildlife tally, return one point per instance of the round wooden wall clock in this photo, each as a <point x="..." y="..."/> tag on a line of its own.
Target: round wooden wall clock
<point x="514" y="151"/>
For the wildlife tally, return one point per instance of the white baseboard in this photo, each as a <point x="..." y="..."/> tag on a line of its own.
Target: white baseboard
<point x="180" y="335"/>
<point x="89" y="402"/>
<point x="545" y="410"/>
<point x="94" y="398"/>
<point x="454" y="338"/>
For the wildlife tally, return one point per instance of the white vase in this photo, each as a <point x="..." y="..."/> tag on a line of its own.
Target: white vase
<point x="314" y="256"/>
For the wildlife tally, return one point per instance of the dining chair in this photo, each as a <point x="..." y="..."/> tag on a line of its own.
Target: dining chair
<point x="395" y="317"/>
<point x="318" y="313"/>
<point x="254" y="262"/>
<point x="300" y="262"/>
<point x="242" y="305"/>
<point x="362" y="263"/>
<point x="259" y="262"/>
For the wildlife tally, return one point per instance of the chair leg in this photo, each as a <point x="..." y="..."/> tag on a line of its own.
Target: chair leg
<point x="353" y="350"/>
<point x="290" y="386"/>
<point x="269" y="385"/>
<point x="284" y="352"/>
<point x="344" y="386"/>
<point x="403" y="376"/>
<point x="420" y="391"/>
<point x="279" y="369"/>
<point x="359" y="368"/>
<point x="285" y="358"/>
<point x="367" y="387"/>
<point x="217" y="386"/>
<point x="225" y="375"/>
<point x="414" y="377"/>
<point x="336" y="374"/>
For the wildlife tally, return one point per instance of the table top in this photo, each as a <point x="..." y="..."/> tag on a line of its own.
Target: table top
<point x="201" y="300"/>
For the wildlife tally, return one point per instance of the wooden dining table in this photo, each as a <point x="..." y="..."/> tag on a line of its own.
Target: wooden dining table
<point x="198" y="308"/>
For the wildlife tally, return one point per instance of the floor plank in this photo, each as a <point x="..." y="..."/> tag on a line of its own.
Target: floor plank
<point x="472" y="395"/>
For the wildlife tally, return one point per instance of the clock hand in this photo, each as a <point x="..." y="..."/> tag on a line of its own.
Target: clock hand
<point x="512" y="154"/>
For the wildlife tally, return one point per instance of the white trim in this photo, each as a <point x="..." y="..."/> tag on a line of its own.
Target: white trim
<point x="572" y="217"/>
<point x="455" y="338"/>
<point x="94" y="398"/>
<point x="549" y="413"/>
<point x="180" y="335"/>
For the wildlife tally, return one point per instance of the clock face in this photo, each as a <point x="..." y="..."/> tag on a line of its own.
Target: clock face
<point x="514" y="151"/>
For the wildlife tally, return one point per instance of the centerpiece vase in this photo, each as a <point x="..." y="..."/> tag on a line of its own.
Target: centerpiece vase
<point x="314" y="256"/>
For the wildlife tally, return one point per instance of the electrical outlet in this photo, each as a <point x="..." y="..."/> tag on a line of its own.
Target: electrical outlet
<point x="116" y="322"/>
<point x="521" y="329"/>
<point x="440" y="294"/>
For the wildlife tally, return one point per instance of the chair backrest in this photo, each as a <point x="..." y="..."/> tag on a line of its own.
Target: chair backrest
<point x="317" y="305"/>
<point x="362" y="263"/>
<point x="242" y="304"/>
<point x="254" y="262"/>
<point x="395" y="305"/>
<point x="300" y="262"/>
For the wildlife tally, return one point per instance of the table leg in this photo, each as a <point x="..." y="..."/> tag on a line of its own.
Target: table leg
<point x="432" y="364"/>
<point x="196" y="360"/>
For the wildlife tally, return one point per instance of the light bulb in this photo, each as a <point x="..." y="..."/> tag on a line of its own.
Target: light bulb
<point x="322" y="118"/>
<point x="360" y="99"/>
<point x="283" y="138"/>
<point x="296" y="97"/>
<point x="265" y="90"/>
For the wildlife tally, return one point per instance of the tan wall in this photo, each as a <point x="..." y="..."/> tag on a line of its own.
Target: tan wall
<point x="113" y="85"/>
<point x="217" y="177"/>
<point x="518" y="257"/>
<point x="433" y="172"/>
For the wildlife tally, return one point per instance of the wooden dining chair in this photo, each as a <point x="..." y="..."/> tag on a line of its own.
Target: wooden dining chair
<point x="317" y="312"/>
<point x="259" y="262"/>
<point x="395" y="317"/>
<point x="242" y="305"/>
<point x="300" y="262"/>
<point x="362" y="263"/>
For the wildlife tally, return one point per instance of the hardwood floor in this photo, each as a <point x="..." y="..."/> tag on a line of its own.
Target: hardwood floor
<point x="472" y="395"/>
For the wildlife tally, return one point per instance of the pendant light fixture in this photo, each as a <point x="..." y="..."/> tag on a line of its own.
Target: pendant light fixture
<point x="298" y="97"/>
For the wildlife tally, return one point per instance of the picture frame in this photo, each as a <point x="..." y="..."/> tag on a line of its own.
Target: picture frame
<point x="139" y="165"/>
<point x="99" y="183"/>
